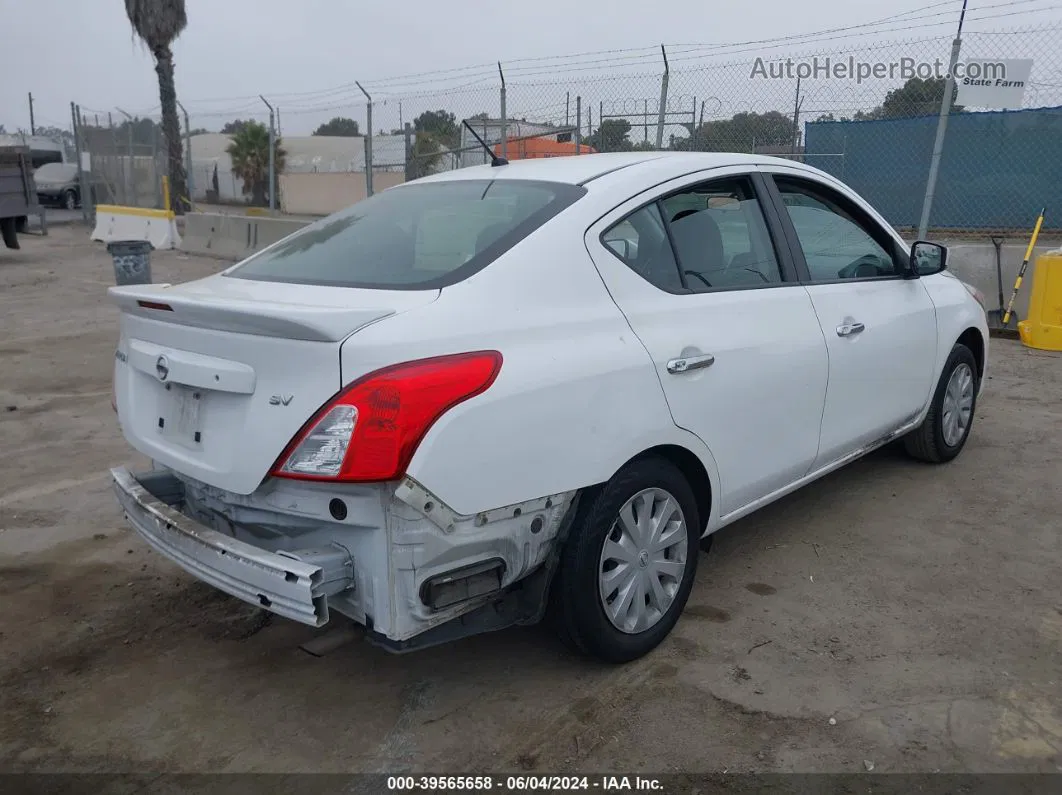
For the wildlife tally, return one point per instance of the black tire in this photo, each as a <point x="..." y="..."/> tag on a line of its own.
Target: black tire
<point x="926" y="442"/>
<point x="575" y="604"/>
<point x="70" y="199"/>
<point x="8" y="231"/>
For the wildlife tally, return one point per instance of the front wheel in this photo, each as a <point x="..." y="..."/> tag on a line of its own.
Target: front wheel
<point x="944" y="432"/>
<point x="629" y="563"/>
<point x="70" y="200"/>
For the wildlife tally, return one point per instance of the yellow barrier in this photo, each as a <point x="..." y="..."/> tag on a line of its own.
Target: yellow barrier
<point x="1043" y="328"/>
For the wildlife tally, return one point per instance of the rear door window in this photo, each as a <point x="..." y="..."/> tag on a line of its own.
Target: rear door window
<point x="420" y="236"/>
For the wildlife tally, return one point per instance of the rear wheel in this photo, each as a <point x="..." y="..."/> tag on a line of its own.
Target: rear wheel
<point x="9" y="233"/>
<point x="944" y="432"/>
<point x="629" y="563"/>
<point x="70" y="200"/>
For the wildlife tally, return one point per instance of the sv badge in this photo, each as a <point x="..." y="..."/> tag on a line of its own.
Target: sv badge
<point x="280" y="400"/>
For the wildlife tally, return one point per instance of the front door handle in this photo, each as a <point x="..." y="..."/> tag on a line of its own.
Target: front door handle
<point x="676" y="366"/>
<point x="848" y="329"/>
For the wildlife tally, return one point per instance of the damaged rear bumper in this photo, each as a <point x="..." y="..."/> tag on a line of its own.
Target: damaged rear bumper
<point x="293" y="585"/>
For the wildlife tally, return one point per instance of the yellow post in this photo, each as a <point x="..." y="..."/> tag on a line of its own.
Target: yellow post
<point x="165" y="193"/>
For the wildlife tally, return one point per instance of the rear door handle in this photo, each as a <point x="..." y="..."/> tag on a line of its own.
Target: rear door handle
<point x="676" y="366"/>
<point x="848" y="329"/>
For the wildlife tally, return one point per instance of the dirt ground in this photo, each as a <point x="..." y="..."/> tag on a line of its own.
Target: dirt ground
<point x="896" y="615"/>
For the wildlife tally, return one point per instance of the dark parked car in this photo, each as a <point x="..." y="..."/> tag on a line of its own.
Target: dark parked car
<point x="57" y="185"/>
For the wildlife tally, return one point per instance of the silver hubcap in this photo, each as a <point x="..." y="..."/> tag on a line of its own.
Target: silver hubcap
<point x="642" y="561"/>
<point x="958" y="404"/>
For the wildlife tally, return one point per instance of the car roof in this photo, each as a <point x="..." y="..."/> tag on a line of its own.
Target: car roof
<point x="580" y="169"/>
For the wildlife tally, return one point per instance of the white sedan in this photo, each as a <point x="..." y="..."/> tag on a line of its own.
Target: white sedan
<point x="536" y="389"/>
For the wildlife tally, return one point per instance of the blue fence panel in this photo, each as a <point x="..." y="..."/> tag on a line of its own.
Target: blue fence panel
<point x="996" y="172"/>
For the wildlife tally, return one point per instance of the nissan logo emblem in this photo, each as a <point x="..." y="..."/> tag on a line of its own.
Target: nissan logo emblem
<point x="162" y="367"/>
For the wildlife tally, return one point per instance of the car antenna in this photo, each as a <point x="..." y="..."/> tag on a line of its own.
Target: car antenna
<point x="494" y="159"/>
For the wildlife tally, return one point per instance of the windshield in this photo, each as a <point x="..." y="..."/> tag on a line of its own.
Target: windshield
<point x="413" y="237"/>
<point x="56" y="172"/>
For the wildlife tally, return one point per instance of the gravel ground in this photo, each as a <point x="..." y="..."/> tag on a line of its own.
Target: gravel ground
<point x="896" y="615"/>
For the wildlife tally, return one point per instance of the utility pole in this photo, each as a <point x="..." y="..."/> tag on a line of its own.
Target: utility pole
<point x="942" y="126"/>
<point x="33" y="127"/>
<point x="272" y="159"/>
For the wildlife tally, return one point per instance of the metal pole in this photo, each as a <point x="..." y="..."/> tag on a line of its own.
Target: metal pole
<point x="796" y="119"/>
<point x="110" y="125"/>
<point x="567" y="108"/>
<point x="130" y="175"/>
<point x="368" y="140"/>
<point x="700" y="124"/>
<point x="578" y="125"/>
<point x="663" y="102"/>
<point x="645" y="120"/>
<point x="33" y="127"/>
<point x="942" y="126"/>
<point x="86" y="197"/>
<point x="188" y="156"/>
<point x="600" y="119"/>
<point x="504" y="121"/>
<point x="407" y="131"/>
<point x="272" y="155"/>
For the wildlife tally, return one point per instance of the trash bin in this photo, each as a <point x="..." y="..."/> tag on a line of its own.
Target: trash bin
<point x="132" y="261"/>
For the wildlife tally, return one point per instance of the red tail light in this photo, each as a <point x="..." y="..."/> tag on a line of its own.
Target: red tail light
<point x="370" y="430"/>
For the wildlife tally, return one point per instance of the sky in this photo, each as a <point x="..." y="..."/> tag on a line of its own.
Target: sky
<point x="304" y="55"/>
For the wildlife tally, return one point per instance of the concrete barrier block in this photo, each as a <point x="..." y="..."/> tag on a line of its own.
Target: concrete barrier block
<point x="234" y="236"/>
<point x="116" y="223"/>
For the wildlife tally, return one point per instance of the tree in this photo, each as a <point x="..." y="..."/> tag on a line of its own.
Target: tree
<point x="440" y="125"/>
<point x="611" y="136"/>
<point x="426" y="155"/>
<point x="158" y="23"/>
<point x="249" y="152"/>
<point x="339" y="127"/>
<point x="739" y="133"/>
<point x="56" y="134"/>
<point x="916" y="97"/>
<point x="234" y="126"/>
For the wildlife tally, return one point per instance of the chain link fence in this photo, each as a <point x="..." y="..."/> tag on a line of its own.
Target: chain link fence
<point x="868" y="114"/>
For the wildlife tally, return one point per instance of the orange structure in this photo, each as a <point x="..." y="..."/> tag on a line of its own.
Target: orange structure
<point x="529" y="148"/>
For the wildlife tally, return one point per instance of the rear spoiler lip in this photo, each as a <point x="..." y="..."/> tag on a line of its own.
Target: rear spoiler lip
<point x="257" y="318"/>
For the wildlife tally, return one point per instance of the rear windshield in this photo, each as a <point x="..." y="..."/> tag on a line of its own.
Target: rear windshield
<point x="413" y="237"/>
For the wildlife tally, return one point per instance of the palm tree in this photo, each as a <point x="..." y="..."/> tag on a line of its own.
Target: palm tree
<point x="158" y="23"/>
<point x="249" y="152"/>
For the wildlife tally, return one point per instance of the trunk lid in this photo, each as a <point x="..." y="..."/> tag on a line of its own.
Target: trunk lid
<point x="213" y="378"/>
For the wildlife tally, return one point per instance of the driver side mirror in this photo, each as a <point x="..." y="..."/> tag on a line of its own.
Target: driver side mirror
<point x="928" y="258"/>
